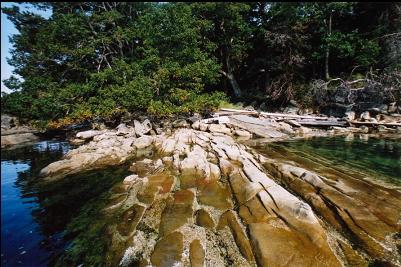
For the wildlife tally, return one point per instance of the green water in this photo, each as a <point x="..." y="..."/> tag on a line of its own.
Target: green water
<point x="377" y="157"/>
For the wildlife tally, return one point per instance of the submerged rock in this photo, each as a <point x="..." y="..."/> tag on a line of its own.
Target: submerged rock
<point x="203" y="199"/>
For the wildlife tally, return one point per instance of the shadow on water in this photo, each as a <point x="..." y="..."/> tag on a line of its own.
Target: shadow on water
<point x="38" y="220"/>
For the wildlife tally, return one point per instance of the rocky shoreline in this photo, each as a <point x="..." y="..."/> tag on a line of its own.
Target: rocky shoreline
<point x="13" y="133"/>
<point x="201" y="197"/>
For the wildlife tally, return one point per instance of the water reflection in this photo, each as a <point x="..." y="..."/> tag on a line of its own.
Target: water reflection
<point x="39" y="219"/>
<point x="23" y="242"/>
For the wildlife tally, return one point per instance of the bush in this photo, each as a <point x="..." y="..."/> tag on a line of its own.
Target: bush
<point x="186" y="102"/>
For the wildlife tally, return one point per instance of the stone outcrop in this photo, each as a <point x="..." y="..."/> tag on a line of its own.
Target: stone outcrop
<point x="201" y="198"/>
<point x="368" y="214"/>
<point x="13" y="133"/>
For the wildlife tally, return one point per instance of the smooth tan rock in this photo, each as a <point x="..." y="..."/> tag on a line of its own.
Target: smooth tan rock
<point x="159" y="183"/>
<point x="353" y="258"/>
<point x="219" y="128"/>
<point x="168" y="251"/>
<point x="77" y="142"/>
<point x="179" y="211"/>
<point x="370" y="212"/>
<point x="243" y="133"/>
<point x="304" y="130"/>
<point x="88" y="134"/>
<point x="286" y="128"/>
<point x="196" y="254"/>
<point x="243" y="189"/>
<point x="215" y="194"/>
<point x="280" y="246"/>
<point x="130" y="219"/>
<point x="204" y="219"/>
<point x="225" y="167"/>
<point x="253" y="211"/>
<point x="241" y="239"/>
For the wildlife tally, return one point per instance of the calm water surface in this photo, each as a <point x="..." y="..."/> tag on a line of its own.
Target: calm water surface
<point x="378" y="157"/>
<point x="35" y="217"/>
<point x="24" y="241"/>
<point x="41" y="221"/>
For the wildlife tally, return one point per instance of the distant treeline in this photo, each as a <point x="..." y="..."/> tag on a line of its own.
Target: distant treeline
<point x="103" y="59"/>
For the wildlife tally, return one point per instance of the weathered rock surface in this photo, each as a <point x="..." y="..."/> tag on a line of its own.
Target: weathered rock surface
<point x="203" y="199"/>
<point x="16" y="139"/>
<point x="369" y="213"/>
<point x="106" y="149"/>
<point x="88" y="134"/>
<point x="142" y="128"/>
<point x="13" y="133"/>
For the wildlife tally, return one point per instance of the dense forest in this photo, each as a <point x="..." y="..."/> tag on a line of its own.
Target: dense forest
<point x="104" y="59"/>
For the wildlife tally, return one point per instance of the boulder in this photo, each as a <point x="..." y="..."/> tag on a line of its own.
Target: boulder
<point x="180" y="124"/>
<point x="142" y="128"/>
<point x="365" y="116"/>
<point x="88" y="134"/>
<point x="16" y="139"/>
<point x="350" y="115"/>
<point x="196" y="254"/>
<point x="168" y="251"/>
<point x="243" y="133"/>
<point x="392" y="107"/>
<point x="304" y="130"/>
<point x="204" y="219"/>
<point x="122" y="129"/>
<point x="219" y="128"/>
<point x="130" y="179"/>
<point x="77" y="141"/>
<point x="196" y="125"/>
<point x="143" y="142"/>
<point x="8" y="121"/>
<point x="203" y="127"/>
<point x="194" y="118"/>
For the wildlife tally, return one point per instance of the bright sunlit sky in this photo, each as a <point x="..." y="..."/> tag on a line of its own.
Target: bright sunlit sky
<point x="7" y="30"/>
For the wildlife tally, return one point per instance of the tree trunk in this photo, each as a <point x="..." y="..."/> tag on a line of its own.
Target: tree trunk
<point x="230" y="76"/>
<point x="327" y="75"/>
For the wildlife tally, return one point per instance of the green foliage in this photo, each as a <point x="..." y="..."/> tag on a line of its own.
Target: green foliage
<point x="92" y="59"/>
<point x="185" y="102"/>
